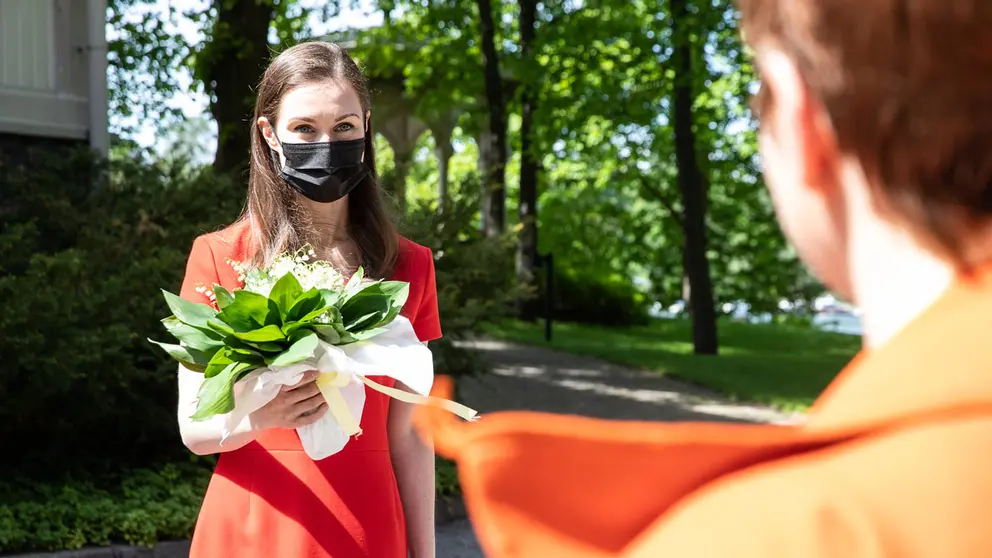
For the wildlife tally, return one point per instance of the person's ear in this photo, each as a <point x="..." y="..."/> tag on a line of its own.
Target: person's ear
<point x="798" y="122"/>
<point x="368" y="120"/>
<point x="269" y="133"/>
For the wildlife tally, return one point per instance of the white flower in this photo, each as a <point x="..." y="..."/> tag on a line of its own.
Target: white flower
<point x="310" y="272"/>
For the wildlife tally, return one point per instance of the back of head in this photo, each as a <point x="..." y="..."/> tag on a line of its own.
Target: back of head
<point x="907" y="87"/>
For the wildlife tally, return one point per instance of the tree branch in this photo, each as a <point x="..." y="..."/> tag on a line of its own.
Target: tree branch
<point x="665" y="200"/>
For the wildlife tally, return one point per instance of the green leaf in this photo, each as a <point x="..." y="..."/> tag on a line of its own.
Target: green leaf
<point x="221" y="360"/>
<point x="333" y="314"/>
<point x="224" y="296"/>
<point x="355" y="280"/>
<point x="216" y="394"/>
<point x="328" y="333"/>
<point x="397" y="291"/>
<point x="220" y="327"/>
<point x="308" y="321"/>
<point x="331" y="298"/>
<point x="385" y="297"/>
<point x="190" y="358"/>
<point x="190" y="313"/>
<point x="250" y="311"/>
<point x="236" y="343"/>
<point x="305" y="304"/>
<point x="229" y="355"/>
<point x="247" y="355"/>
<point x="201" y="339"/>
<point x="358" y="323"/>
<point x="299" y="351"/>
<point x="285" y="292"/>
<point x="367" y="334"/>
<point x="267" y="334"/>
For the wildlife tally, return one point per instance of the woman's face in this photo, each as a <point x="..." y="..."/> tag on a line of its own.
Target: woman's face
<point x="318" y="112"/>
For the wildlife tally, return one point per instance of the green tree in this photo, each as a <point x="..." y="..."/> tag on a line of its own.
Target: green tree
<point x="526" y="260"/>
<point x="146" y="55"/>
<point x="692" y="185"/>
<point x="494" y="136"/>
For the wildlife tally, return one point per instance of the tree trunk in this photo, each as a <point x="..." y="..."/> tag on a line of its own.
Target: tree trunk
<point x="231" y="65"/>
<point x="443" y="151"/>
<point x="402" y="162"/>
<point x="693" y="188"/>
<point x="527" y="208"/>
<point x="494" y="176"/>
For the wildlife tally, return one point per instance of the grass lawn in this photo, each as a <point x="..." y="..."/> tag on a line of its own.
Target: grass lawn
<point x="784" y="366"/>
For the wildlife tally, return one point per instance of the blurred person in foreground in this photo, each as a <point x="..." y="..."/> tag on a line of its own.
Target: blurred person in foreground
<point x="876" y="138"/>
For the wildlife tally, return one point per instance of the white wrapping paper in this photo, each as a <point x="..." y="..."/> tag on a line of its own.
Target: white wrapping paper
<point x="396" y="353"/>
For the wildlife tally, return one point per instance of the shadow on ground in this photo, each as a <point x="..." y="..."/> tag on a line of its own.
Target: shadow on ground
<point x="538" y="379"/>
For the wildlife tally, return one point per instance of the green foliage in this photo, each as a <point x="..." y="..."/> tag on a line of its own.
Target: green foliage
<point x="446" y="477"/>
<point x="140" y="508"/>
<point x="589" y="300"/>
<point x="473" y="274"/>
<point x="93" y="267"/>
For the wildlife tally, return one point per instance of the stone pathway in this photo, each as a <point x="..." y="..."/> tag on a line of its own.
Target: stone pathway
<point x="538" y="379"/>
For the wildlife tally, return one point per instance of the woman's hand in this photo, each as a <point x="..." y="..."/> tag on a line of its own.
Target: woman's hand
<point x="295" y="406"/>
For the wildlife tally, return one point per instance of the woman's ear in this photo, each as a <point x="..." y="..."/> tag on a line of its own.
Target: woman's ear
<point x="269" y="133"/>
<point x="368" y="120"/>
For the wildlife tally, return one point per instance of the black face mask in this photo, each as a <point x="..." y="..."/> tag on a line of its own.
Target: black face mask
<point x="323" y="172"/>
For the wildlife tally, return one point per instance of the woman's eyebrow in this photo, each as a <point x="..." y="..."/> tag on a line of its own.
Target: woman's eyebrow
<point x="312" y="120"/>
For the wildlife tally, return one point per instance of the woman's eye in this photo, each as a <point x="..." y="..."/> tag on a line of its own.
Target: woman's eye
<point x="344" y="127"/>
<point x="304" y="129"/>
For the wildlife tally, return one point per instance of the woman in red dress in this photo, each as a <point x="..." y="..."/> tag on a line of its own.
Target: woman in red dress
<point x="313" y="181"/>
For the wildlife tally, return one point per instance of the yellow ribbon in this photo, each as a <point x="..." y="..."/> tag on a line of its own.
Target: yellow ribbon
<point x="330" y="384"/>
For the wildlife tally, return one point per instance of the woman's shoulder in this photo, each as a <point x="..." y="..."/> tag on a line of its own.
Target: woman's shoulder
<point x="413" y="261"/>
<point x="228" y="243"/>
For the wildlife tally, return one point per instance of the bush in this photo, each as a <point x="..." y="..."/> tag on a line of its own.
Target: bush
<point x="80" y="280"/>
<point x="473" y="273"/>
<point x="142" y="508"/>
<point x="139" y="507"/>
<point x="597" y="301"/>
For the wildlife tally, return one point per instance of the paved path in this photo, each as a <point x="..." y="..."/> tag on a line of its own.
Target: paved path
<point x="537" y="379"/>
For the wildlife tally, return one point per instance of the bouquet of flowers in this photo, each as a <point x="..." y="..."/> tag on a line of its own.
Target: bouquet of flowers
<point x="297" y="315"/>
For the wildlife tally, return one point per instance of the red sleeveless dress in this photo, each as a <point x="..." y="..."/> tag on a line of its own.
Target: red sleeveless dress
<point x="269" y="499"/>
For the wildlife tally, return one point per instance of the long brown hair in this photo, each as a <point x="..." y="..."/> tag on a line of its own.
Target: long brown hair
<point x="279" y="222"/>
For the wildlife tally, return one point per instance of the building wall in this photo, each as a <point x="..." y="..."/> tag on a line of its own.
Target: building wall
<point x="44" y="68"/>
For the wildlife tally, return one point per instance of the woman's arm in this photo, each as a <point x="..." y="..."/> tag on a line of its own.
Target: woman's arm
<point x="203" y="437"/>
<point x="293" y="407"/>
<point x="413" y="463"/>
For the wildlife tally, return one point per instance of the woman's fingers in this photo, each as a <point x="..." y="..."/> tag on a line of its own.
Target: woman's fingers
<point x="307" y="379"/>
<point x="307" y="405"/>
<point x="313" y="415"/>
<point x="301" y="393"/>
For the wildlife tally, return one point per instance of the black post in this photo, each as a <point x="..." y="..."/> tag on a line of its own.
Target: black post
<point x="549" y="301"/>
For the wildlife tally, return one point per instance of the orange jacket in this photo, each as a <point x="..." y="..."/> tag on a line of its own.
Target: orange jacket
<point x="895" y="460"/>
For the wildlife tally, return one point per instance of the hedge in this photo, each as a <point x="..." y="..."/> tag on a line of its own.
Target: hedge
<point x="140" y="507"/>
